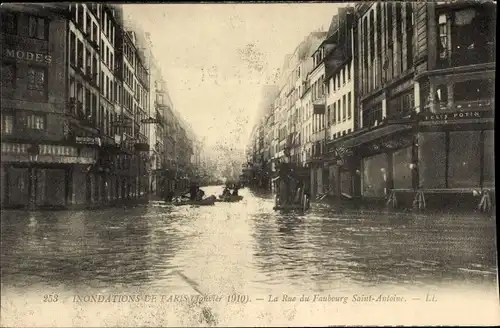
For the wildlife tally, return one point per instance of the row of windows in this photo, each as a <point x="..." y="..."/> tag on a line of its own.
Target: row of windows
<point x="86" y="105"/>
<point x="34" y="121"/>
<point x="128" y="100"/>
<point x="318" y="89"/>
<point x="129" y="77"/>
<point x="84" y="20"/>
<point x="340" y="111"/>
<point x="379" y="62"/>
<point x="105" y="51"/>
<point x="108" y="27"/>
<point x="107" y="56"/>
<point x="108" y="87"/>
<point x="25" y="25"/>
<point x="129" y="52"/>
<point x="335" y="82"/>
<point x="341" y="133"/>
<point x="33" y="77"/>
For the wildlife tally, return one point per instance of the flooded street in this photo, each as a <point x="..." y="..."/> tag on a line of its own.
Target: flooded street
<point x="242" y="249"/>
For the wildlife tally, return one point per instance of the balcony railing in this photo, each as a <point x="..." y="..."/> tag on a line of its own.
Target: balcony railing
<point x="77" y="110"/>
<point x="477" y="105"/>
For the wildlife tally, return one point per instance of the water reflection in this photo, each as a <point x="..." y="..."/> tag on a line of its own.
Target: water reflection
<point x="245" y="245"/>
<point x="95" y="249"/>
<point x="336" y="247"/>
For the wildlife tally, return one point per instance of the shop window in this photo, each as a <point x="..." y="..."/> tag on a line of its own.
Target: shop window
<point x="473" y="90"/>
<point x="463" y="162"/>
<point x="17" y="186"/>
<point x="489" y="159"/>
<point x="432" y="159"/>
<point x="41" y="187"/>
<point x="402" y="174"/>
<point x="3" y="181"/>
<point x="375" y="176"/>
<point x="346" y="183"/>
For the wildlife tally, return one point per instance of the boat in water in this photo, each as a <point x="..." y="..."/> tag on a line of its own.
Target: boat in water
<point x="230" y="198"/>
<point x="291" y="183"/>
<point x="204" y="202"/>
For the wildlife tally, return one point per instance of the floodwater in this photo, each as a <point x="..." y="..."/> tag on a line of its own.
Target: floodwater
<point x="226" y="264"/>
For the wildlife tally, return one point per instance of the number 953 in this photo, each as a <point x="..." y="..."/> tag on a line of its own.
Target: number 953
<point x="50" y="298"/>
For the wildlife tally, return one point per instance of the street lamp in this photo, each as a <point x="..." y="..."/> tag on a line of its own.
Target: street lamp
<point x="33" y="152"/>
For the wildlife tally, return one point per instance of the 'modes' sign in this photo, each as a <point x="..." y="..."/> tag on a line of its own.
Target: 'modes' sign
<point x="28" y="56"/>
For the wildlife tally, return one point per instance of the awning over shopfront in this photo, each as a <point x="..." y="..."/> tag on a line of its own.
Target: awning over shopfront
<point x="141" y="146"/>
<point x="59" y="154"/>
<point x="374" y="134"/>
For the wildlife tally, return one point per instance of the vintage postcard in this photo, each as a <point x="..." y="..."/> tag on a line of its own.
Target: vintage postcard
<point x="248" y="164"/>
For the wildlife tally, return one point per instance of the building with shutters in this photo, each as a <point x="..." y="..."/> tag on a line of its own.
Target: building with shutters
<point x="424" y="94"/>
<point x="76" y="108"/>
<point x="341" y="115"/>
<point x="37" y="156"/>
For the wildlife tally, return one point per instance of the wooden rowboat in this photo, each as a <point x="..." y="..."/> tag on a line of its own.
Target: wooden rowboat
<point x="204" y="202"/>
<point x="229" y="199"/>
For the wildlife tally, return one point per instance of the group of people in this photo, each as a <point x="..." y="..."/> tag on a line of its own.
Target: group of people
<point x="195" y="193"/>
<point x="289" y="185"/>
<point x="227" y="191"/>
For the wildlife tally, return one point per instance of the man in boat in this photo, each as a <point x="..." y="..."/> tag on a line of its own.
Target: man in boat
<point x="193" y="190"/>
<point x="169" y="195"/>
<point x="226" y="192"/>
<point x="235" y="190"/>
<point x="285" y="183"/>
<point x="199" y="194"/>
<point x="288" y="184"/>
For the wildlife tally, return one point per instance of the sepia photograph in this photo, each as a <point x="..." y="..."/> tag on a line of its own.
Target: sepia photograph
<point x="237" y="164"/>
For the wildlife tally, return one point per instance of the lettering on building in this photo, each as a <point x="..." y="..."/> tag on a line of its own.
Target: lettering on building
<point x="28" y="56"/>
<point x="88" y="140"/>
<point x="451" y="116"/>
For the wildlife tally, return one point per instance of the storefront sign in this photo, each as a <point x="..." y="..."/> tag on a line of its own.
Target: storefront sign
<point x="150" y="121"/>
<point x="28" y="56"/>
<point x="452" y="116"/>
<point x="88" y="140"/>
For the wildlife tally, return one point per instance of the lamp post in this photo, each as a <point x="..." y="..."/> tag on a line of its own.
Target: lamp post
<point x="33" y="152"/>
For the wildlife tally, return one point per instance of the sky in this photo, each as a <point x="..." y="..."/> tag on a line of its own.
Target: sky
<point x="216" y="58"/>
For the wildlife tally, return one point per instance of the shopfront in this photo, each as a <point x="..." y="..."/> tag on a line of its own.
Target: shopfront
<point x="454" y="154"/>
<point x="37" y="176"/>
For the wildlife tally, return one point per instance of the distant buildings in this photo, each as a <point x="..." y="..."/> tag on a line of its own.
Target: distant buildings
<point x="397" y="104"/>
<point x="80" y="122"/>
